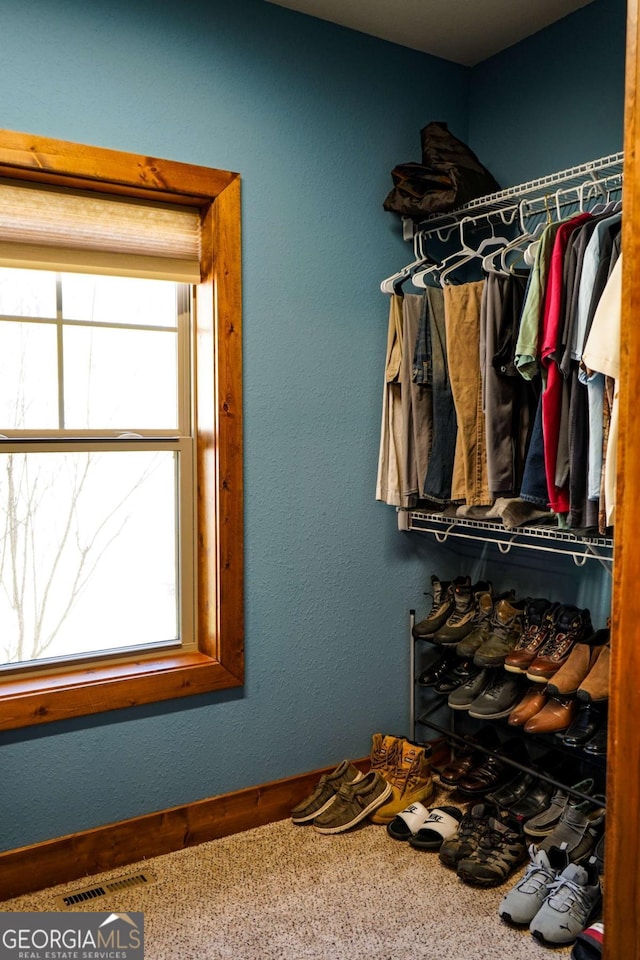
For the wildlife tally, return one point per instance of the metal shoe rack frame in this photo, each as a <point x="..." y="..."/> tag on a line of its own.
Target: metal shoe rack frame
<point x="575" y="187"/>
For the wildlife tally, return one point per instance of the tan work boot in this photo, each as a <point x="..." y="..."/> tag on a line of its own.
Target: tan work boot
<point x="574" y="670"/>
<point x="411" y="782"/>
<point x="384" y="750"/>
<point x="595" y="686"/>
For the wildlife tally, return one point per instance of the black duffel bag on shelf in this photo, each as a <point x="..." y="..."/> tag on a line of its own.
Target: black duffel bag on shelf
<point x="450" y="175"/>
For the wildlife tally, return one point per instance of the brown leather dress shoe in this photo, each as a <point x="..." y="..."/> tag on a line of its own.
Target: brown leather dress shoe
<point x="532" y="702"/>
<point x="556" y="714"/>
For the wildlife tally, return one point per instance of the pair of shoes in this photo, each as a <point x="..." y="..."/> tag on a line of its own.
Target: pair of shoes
<point x="325" y="792"/>
<point x="505" y="629"/>
<point x="471" y="829"/>
<point x="524" y="796"/>
<point x="555" y="898"/>
<point x="501" y="848"/>
<point x="491" y="770"/>
<point x="489" y="695"/>
<point x="425" y="829"/>
<point x="448" y="673"/>
<point x="580" y="827"/>
<point x="539" y="621"/>
<point x="541" y="825"/>
<point x="469" y="603"/>
<point x="570" y="625"/>
<point x="585" y="726"/>
<point x="468" y="756"/>
<point x="353" y="802"/>
<point x="406" y="767"/>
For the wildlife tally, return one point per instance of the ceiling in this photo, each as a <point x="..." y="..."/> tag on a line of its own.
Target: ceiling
<point x="465" y="31"/>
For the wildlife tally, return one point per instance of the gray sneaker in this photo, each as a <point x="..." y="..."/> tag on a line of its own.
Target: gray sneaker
<point x="354" y="802"/>
<point x="521" y="904"/>
<point x="574" y="899"/>
<point x="325" y="792"/>
<point x="463" y="696"/>
<point x="499" y="697"/>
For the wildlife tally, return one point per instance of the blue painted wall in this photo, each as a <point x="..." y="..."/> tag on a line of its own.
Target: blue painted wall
<point x="314" y="117"/>
<point x="555" y="99"/>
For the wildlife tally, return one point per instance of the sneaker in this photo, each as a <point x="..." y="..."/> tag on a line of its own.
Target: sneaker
<point x="500" y="850"/>
<point x="499" y="697"/>
<point x="574" y="899"/>
<point x="522" y="903"/>
<point x="572" y="626"/>
<point x="463" y="696"/>
<point x="464" y="616"/>
<point x="441" y="606"/>
<point x="505" y="630"/>
<point x="411" y="782"/>
<point x="539" y="618"/>
<point x="325" y="792"/>
<point x="472" y="828"/>
<point x="354" y="802"/>
<point x="384" y="750"/>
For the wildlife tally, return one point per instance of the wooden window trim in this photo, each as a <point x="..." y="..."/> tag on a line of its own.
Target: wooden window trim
<point x="219" y="661"/>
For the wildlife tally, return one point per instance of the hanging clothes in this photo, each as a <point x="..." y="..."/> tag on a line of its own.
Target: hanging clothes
<point x="416" y="405"/>
<point x="389" y="482"/>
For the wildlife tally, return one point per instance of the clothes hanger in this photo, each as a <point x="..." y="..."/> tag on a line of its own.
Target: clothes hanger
<point x="471" y="253"/>
<point x="393" y="283"/>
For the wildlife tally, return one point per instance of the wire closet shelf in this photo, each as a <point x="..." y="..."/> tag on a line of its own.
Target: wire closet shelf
<point x="572" y="186"/>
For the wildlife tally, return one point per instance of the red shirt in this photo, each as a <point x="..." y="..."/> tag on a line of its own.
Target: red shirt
<point x="552" y="395"/>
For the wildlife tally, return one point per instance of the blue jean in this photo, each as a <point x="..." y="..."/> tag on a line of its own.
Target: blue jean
<point x="437" y="484"/>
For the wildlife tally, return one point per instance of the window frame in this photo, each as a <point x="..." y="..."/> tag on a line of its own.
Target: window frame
<point x="218" y="662"/>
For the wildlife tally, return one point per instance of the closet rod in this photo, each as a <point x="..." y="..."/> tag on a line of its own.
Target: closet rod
<point x="570" y="178"/>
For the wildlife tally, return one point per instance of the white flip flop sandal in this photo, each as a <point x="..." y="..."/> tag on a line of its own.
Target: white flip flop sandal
<point x="408" y="821"/>
<point x="442" y="824"/>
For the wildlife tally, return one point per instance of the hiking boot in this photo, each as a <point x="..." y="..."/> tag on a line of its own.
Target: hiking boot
<point x="441" y="606"/>
<point x="545" y="822"/>
<point x="460" y="620"/>
<point x="505" y="629"/>
<point x="353" y="802"/>
<point x="463" y="696"/>
<point x="502" y="692"/>
<point x="464" y="616"/>
<point x="482" y="625"/>
<point x="572" y="626"/>
<point x="580" y="827"/>
<point x="539" y="619"/>
<point x="522" y="903"/>
<point x="473" y="826"/>
<point x="500" y="850"/>
<point x="574" y="899"/>
<point x="384" y="750"/>
<point x="411" y="782"/>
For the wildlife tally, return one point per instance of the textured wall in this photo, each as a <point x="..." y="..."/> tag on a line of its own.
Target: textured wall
<point x="553" y="100"/>
<point x="314" y="117"/>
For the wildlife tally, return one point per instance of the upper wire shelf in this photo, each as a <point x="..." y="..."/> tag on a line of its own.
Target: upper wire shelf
<point x="569" y="183"/>
<point x="543" y="538"/>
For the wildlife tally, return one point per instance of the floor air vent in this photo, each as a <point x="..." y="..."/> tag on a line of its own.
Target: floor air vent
<point x="85" y="894"/>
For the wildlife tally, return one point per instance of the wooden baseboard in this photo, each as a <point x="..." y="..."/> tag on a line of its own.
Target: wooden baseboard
<point x="79" y="855"/>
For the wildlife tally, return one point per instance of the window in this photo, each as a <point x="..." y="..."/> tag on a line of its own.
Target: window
<point x="120" y="416"/>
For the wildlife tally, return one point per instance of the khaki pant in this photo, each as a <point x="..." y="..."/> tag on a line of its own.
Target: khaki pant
<point x="462" y="319"/>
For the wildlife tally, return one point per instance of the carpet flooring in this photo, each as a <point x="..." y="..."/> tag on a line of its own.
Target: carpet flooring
<point x="281" y="892"/>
